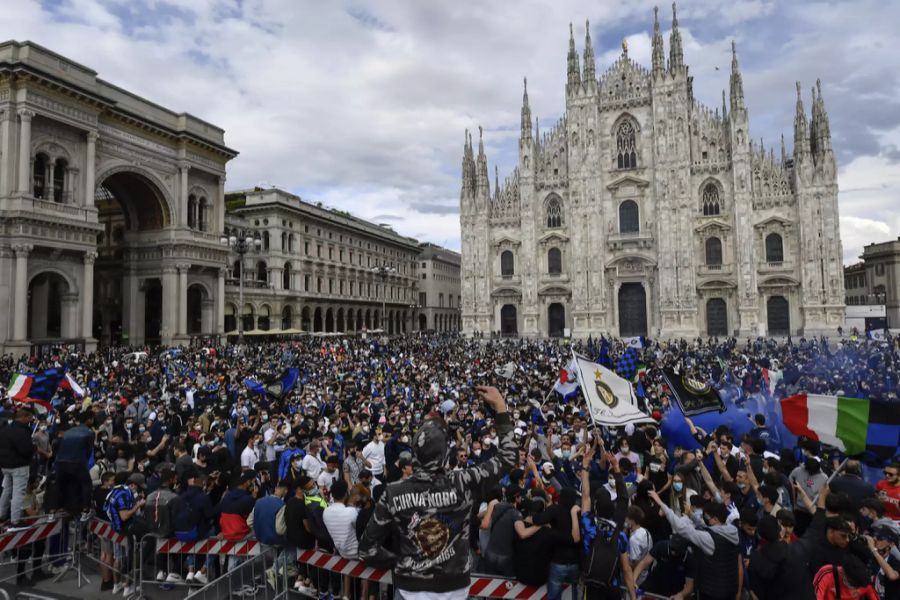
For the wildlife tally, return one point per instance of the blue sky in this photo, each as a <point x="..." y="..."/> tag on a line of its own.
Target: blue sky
<point x="362" y="105"/>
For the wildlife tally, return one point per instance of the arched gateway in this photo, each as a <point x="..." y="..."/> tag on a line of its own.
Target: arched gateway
<point x="124" y="245"/>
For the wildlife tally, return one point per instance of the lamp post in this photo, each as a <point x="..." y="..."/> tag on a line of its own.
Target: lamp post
<point x="383" y="271"/>
<point x="241" y="244"/>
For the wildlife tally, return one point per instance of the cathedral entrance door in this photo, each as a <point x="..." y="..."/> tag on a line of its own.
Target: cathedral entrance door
<point x="556" y="320"/>
<point x="778" y="316"/>
<point x="632" y="310"/>
<point x="508" y="321"/>
<point x="716" y="317"/>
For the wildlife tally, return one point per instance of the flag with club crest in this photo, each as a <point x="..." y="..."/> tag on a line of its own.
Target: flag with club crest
<point x="610" y="398"/>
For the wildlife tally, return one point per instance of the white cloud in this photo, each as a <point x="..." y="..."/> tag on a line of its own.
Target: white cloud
<point x="362" y="105"/>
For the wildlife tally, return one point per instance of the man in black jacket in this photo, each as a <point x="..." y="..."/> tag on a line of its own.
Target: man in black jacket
<point x="776" y="570"/>
<point x="16" y="452"/>
<point x="427" y="514"/>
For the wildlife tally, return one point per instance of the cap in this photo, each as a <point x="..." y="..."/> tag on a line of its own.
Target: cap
<point x="137" y="479"/>
<point x="248" y="476"/>
<point x="404" y="462"/>
<point x="548" y="467"/>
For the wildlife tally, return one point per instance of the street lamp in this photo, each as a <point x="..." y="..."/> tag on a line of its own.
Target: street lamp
<point x="241" y="244"/>
<point x="383" y="271"/>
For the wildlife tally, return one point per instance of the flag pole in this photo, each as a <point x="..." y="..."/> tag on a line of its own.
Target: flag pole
<point x="832" y="476"/>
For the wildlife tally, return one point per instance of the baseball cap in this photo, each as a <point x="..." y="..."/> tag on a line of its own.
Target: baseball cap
<point x="548" y="467"/>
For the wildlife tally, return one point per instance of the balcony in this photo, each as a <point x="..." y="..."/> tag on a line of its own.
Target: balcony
<point x="513" y="279"/>
<point x="46" y="207"/>
<point x="776" y="267"/>
<point x="633" y="240"/>
<point x="248" y="283"/>
<point x="714" y="269"/>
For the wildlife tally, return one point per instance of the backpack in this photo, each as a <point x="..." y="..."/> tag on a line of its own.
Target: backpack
<point x="315" y="514"/>
<point x="601" y="565"/>
<point x="281" y="522"/>
<point x="184" y="517"/>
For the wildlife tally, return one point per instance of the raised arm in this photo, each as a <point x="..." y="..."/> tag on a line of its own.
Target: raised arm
<point x="505" y="459"/>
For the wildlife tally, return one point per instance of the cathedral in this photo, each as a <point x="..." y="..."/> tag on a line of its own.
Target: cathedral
<point x="643" y="212"/>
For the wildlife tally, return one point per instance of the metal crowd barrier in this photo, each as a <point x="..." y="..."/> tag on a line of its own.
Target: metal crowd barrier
<point x="28" y="546"/>
<point x="247" y="577"/>
<point x="481" y="586"/>
<point x="103" y="544"/>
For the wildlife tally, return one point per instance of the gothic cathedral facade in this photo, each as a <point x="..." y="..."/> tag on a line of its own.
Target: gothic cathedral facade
<point x="643" y="212"/>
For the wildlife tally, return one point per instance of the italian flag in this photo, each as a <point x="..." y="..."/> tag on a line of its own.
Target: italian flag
<point x="69" y="383"/>
<point x="19" y="386"/>
<point x="834" y="420"/>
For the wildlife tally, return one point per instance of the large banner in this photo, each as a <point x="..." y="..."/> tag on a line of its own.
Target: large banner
<point x="694" y="396"/>
<point x="610" y="398"/>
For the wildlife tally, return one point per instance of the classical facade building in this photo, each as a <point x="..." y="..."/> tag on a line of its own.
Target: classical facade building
<point x="641" y="211"/>
<point x="438" y="288"/>
<point x="317" y="269"/>
<point x="876" y="280"/>
<point x="111" y="210"/>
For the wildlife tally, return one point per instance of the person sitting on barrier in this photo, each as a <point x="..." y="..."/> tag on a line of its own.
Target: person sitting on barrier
<point x="16" y="452"/>
<point x="428" y="513"/>
<point x="73" y="473"/>
<point x="237" y="504"/>
<point x="32" y="505"/>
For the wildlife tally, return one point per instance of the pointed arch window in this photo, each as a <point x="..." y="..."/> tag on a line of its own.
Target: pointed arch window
<point x="712" y="204"/>
<point x="626" y="146"/>
<point x="554" y="212"/>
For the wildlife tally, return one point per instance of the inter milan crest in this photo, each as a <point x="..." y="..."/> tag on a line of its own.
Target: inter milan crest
<point x="695" y="386"/>
<point x="603" y="390"/>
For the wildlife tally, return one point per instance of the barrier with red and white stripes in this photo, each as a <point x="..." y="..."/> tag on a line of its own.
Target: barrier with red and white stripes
<point x="104" y="530"/>
<point x="485" y="587"/>
<point x="344" y="566"/>
<point x="208" y="546"/>
<point x="15" y="539"/>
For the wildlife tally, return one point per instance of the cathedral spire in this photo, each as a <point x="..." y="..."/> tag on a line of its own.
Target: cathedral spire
<point x="820" y="120"/>
<point x="496" y="181"/>
<point x="481" y="177"/>
<point x="801" y="131"/>
<point x="589" y="65"/>
<point x="659" y="56"/>
<point x="537" y="132"/>
<point x="783" y="151"/>
<point x="526" y="114"/>
<point x="724" y="107"/>
<point x="574" y="70"/>
<point x="737" y="82"/>
<point x="676" y="52"/>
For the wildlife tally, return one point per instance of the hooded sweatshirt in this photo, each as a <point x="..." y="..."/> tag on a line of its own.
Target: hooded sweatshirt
<point x="427" y="515"/>
<point x="778" y="572"/>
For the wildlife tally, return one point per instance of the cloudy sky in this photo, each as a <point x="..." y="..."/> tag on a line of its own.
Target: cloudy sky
<point x="362" y="104"/>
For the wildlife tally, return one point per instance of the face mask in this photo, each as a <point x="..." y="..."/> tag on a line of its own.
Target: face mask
<point x="677" y="486"/>
<point x="765" y="471"/>
<point x="566" y="453"/>
<point x="624" y="449"/>
<point x="365" y="428"/>
<point x="129" y="424"/>
<point x="142" y="429"/>
<point x="296" y="463"/>
<point x="698" y="514"/>
<point x="265" y="418"/>
<point x="612" y="482"/>
<point x="404" y="439"/>
<point x="477" y="452"/>
<point x="313" y="491"/>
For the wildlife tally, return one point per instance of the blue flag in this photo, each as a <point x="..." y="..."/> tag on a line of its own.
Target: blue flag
<point x="604" y="358"/>
<point x="626" y="367"/>
<point x="254" y="386"/>
<point x="44" y="385"/>
<point x="283" y="383"/>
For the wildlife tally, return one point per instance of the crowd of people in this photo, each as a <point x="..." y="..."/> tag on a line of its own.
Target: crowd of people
<point x="440" y="456"/>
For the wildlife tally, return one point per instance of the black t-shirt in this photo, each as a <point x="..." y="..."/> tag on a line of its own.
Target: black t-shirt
<point x="296" y="534"/>
<point x="566" y="551"/>
<point x="668" y="573"/>
<point x="98" y="499"/>
<point x="531" y="557"/>
<point x="656" y="473"/>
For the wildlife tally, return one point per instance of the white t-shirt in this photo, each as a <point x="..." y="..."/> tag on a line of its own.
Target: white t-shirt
<point x="374" y="453"/>
<point x="326" y="480"/>
<point x="313" y="465"/>
<point x="249" y="458"/>
<point x="340" y="520"/>
<point x="639" y="544"/>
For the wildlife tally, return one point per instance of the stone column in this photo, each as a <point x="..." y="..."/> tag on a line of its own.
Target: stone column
<point x="87" y="297"/>
<point x="219" y="210"/>
<point x="50" y="178"/>
<point x="20" y="325"/>
<point x="24" y="180"/>
<point x="5" y="154"/>
<point x="183" y="269"/>
<point x="207" y="315"/>
<point x="170" y="304"/>
<point x="90" y="186"/>
<point x="69" y="186"/>
<point x="220" y="302"/>
<point x="70" y="321"/>
<point x="183" y="195"/>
